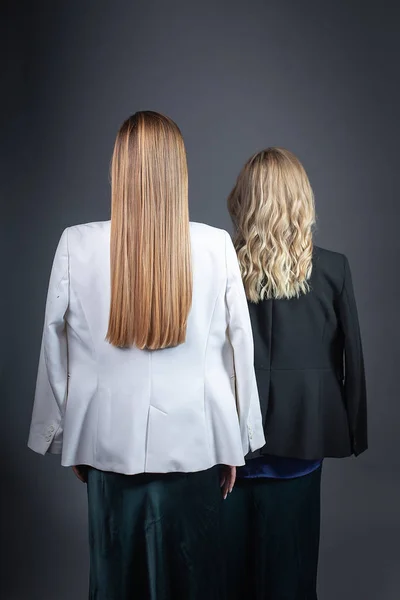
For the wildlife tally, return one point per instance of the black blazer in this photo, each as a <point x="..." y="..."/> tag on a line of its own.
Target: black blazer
<point x="309" y="367"/>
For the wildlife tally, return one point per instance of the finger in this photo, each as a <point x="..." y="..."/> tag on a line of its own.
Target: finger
<point x="225" y="489"/>
<point x="227" y="482"/>
<point x="84" y="473"/>
<point x="225" y="486"/>
<point x="232" y="479"/>
<point x="79" y="474"/>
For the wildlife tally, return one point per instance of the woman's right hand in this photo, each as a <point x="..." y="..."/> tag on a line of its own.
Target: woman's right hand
<point x="81" y="472"/>
<point x="227" y="479"/>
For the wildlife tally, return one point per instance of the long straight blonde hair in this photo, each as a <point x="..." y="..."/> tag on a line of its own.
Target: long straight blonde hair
<point x="151" y="272"/>
<point x="272" y="209"/>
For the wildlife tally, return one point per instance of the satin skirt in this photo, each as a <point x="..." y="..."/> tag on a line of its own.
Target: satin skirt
<point x="272" y="529"/>
<point x="155" y="537"/>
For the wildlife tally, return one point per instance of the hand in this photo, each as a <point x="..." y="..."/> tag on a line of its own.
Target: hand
<point x="227" y="480"/>
<point x="81" y="473"/>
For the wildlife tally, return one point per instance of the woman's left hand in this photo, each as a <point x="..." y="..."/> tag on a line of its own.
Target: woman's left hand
<point x="227" y="481"/>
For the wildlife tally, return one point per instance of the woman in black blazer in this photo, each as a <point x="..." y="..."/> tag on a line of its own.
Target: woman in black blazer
<point x="310" y="375"/>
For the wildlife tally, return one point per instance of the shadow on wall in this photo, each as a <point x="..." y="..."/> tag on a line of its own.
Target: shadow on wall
<point x="350" y="577"/>
<point x="360" y="550"/>
<point x="43" y="531"/>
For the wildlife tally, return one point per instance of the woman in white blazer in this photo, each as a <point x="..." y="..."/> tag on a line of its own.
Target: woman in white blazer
<point x="146" y="381"/>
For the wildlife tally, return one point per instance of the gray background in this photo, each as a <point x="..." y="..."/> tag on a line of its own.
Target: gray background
<point x="320" y="78"/>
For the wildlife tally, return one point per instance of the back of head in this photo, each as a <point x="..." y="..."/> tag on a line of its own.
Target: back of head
<point x="272" y="208"/>
<point x="151" y="278"/>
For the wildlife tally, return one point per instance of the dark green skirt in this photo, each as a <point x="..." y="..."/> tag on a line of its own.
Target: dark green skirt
<point x="155" y="537"/>
<point x="272" y="538"/>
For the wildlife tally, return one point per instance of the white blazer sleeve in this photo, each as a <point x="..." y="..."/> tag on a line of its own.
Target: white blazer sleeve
<point x="46" y="429"/>
<point x="241" y="338"/>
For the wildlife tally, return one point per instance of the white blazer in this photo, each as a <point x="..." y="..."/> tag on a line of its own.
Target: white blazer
<point x="132" y="411"/>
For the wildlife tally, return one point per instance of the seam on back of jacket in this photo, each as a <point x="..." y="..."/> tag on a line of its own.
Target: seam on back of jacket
<point x="66" y="321"/>
<point x="206" y="347"/>
<point x="344" y="275"/>
<point x="270" y="340"/>
<point x="79" y="302"/>
<point x="66" y="275"/>
<point x="204" y="367"/>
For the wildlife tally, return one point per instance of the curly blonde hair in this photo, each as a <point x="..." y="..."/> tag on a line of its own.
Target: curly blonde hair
<point x="272" y="209"/>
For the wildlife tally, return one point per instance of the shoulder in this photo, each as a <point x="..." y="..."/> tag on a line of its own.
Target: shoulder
<point x="329" y="259"/>
<point x="206" y="231"/>
<point x="333" y="266"/>
<point x="203" y="234"/>
<point x="86" y="232"/>
<point x="216" y="244"/>
<point x="88" y="229"/>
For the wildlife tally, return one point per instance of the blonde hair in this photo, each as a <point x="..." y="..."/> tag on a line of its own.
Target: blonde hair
<point x="151" y="272"/>
<point x="272" y="208"/>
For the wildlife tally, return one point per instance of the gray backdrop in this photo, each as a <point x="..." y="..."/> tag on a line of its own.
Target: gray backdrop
<point x="320" y="78"/>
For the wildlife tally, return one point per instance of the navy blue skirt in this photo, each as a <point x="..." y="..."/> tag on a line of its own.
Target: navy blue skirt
<point x="155" y="537"/>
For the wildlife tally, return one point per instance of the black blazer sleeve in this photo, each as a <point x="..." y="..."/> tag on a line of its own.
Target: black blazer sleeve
<point x="354" y="375"/>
